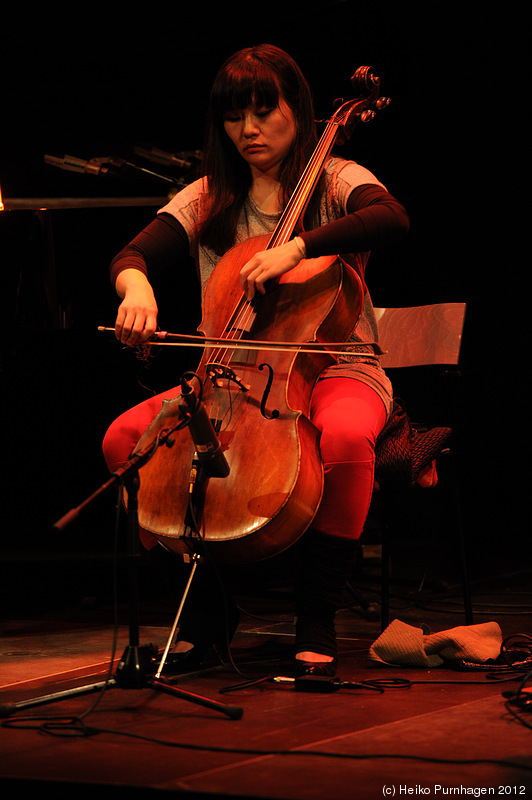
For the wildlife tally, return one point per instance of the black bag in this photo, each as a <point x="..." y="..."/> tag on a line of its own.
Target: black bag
<point x="402" y="451"/>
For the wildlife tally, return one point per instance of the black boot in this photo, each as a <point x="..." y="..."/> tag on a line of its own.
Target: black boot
<point x="324" y="564"/>
<point x="209" y="617"/>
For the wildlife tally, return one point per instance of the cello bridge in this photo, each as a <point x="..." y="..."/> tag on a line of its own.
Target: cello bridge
<point x="220" y="374"/>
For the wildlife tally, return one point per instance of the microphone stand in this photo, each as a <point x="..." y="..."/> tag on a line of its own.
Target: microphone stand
<point x="135" y="669"/>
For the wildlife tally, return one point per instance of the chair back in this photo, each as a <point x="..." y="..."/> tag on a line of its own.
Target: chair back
<point x="420" y="335"/>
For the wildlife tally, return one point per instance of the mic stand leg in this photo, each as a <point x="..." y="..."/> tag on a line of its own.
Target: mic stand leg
<point x="134" y="665"/>
<point x="135" y="669"/>
<point x="195" y="560"/>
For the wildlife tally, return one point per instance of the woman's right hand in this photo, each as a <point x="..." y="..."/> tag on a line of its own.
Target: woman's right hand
<point x="136" y="319"/>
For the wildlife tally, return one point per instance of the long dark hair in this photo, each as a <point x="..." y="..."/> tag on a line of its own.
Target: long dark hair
<point x="258" y="75"/>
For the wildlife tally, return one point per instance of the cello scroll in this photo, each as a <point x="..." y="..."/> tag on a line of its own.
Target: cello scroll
<point x="363" y="108"/>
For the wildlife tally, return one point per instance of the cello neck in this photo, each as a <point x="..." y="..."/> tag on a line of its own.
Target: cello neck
<point x="346" y="117"/>
<point x="297" y="205"/>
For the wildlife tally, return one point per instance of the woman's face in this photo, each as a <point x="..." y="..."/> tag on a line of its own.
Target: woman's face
<point x="262" y="136"/>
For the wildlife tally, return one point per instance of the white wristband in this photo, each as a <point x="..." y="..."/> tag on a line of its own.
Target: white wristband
<point x="300" y="244"/>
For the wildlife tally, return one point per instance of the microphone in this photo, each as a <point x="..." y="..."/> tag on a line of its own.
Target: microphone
<point x="95" y="166"/>
<point x="105" y="166"/>
<point x="208" y="448"/>
<point x="182" y="160"/>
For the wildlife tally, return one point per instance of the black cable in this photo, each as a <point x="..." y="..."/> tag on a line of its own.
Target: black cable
<point x="520" y="702"/>
<point x="308" y="753"/>
<point x="519" y="649"/>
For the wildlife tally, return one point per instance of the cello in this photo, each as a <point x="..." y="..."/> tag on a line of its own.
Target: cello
<point x="256" y="396"/>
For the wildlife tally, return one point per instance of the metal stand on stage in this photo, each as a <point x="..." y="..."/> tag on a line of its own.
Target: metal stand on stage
<point x="136" y="667"/>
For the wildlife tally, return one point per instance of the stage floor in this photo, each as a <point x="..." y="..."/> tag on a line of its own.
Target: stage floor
<point x="446" y="732"/>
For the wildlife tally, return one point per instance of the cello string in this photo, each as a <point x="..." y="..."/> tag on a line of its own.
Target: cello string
<point x="241" y="319"/>
<point x="294" y="209"/>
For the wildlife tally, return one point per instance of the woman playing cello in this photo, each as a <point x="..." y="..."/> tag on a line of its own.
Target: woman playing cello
<point x="260" y="134"/>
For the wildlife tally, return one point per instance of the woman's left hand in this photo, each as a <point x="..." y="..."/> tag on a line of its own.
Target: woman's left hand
<point x="270" y="264"/>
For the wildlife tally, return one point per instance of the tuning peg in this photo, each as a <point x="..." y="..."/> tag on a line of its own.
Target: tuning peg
<point x="337" y="103"/>
<point x="382" y="103"/>
<point x="367" y="115"/>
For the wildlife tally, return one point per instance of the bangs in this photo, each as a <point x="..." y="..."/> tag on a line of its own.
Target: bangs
<point x="259" y="76"/>
<point x="245" y="85"/>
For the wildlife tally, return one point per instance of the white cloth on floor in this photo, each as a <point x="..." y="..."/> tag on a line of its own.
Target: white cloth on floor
<point x="406" y="645"/>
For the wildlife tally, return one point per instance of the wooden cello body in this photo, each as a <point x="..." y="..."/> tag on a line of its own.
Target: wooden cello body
<point x="275" y="480"/>
<point x="257" y="399"/>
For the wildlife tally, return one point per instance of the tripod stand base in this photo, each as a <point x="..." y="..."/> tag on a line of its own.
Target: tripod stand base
<point x="134" y="671"/>
<point x="134" y="666"/>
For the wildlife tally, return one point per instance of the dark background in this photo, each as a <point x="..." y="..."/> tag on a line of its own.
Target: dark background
<point x="99" y="85"/>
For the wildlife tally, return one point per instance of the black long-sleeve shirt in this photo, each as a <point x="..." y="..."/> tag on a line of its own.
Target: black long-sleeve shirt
<point x="374" y="219"/>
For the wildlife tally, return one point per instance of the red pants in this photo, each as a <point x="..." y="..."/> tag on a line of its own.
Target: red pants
<point x="348" y="413"/>
<point x="350" y="416"/>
